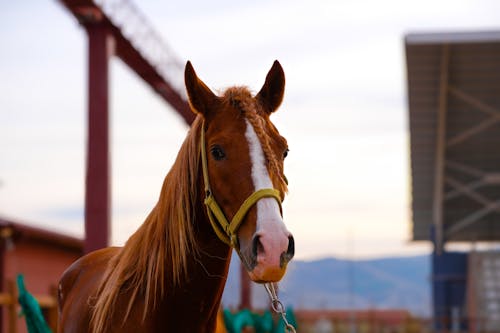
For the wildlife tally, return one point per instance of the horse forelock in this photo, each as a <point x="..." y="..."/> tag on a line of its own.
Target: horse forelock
<point x="155" y="257"/>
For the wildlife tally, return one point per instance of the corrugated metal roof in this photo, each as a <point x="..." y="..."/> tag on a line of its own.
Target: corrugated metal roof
<point x="453" y="37"/>
<point x="459" y="73"/>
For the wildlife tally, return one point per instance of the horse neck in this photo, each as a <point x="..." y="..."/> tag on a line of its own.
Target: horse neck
<point x="207" y="263"/>
<point x="211" y="262"/>
<point x="201" y="291"/>
<point x="209" y="257"/>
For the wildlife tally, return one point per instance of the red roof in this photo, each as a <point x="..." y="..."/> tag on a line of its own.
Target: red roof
<point x="22" y="232"/>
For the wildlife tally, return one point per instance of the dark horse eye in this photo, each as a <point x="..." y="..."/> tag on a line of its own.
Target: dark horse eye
<point x="285" y="153"/>
<point x="218" y="153"/>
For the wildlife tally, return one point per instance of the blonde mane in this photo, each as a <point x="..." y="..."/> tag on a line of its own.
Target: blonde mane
<point x="157" y="252"/>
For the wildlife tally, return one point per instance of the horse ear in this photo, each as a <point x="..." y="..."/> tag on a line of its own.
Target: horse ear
<point x="199" y="95"/>
<point x="271" y="94"/>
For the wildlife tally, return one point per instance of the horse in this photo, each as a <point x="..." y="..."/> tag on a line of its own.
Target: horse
<point x="224" y="191"/>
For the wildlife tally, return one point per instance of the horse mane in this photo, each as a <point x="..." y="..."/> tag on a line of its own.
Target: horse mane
<point x="157" y="252"/>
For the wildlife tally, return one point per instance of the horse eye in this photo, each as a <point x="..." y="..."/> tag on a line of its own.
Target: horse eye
<point x="218" y="153"/>
<point x="285" y="153"/>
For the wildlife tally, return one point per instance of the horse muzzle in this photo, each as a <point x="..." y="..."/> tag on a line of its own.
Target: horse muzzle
<point x="269" y="256"/>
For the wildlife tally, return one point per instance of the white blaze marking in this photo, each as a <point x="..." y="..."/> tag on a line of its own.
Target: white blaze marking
<point x="267" y="208"/>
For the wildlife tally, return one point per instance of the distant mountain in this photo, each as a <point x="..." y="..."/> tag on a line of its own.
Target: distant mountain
<point x="401" y="283"/>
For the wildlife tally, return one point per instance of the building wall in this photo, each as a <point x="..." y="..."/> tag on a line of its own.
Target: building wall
<point x="41" y="264"/>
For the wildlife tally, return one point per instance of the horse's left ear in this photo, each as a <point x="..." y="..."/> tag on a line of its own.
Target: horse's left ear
<point x="271" y="94"/>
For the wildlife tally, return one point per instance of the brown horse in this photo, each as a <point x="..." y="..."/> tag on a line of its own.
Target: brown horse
<point x="170" y="274"/>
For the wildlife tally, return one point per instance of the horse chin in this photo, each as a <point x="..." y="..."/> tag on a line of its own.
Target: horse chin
<point x="261" y="272"/>
<point x="266" y="274"/>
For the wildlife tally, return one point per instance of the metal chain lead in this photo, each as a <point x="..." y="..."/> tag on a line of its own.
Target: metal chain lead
<point x="278" y="307"/>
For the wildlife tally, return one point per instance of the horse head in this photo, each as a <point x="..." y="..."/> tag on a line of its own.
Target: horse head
<point x="243" y="154"/>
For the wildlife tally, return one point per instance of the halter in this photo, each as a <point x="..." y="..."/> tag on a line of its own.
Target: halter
<point x="226" y="231"/>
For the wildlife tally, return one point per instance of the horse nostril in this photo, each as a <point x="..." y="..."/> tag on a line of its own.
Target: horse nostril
<point x="291" y="247"/>
<point x="256" y="246"/>
<point x="290" y="252"/>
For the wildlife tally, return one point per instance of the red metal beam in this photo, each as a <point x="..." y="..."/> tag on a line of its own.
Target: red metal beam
<point x="135" y="60"/>
<point x="86" y="12"/>
<point x="98" y="183"/>
<point x="245" y="289"/>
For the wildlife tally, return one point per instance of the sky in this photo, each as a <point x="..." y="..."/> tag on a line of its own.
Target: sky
<point x="344" y="114"/>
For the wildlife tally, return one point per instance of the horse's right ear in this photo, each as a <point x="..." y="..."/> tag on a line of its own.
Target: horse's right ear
<point x="201" y="98"/>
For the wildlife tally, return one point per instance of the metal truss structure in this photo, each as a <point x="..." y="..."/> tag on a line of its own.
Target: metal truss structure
<point x="455" y="135"/>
